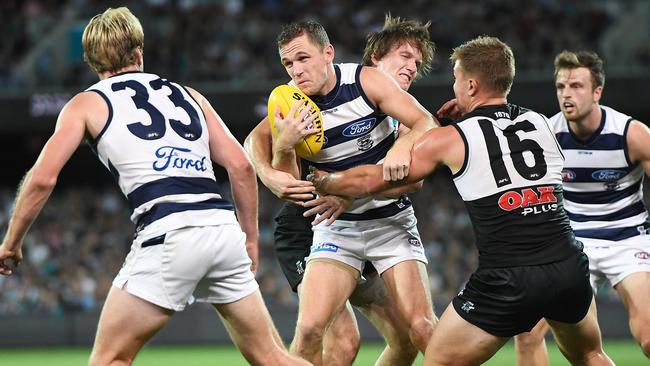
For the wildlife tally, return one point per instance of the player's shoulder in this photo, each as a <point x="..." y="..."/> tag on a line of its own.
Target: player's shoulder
<point x="499" y="111"/>
<point x="86" y="99"/>
<point x="557" y="118"/>
<point x="614" y="115"/>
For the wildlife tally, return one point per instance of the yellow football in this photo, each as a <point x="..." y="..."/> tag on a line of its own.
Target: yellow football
<point x="284" y="96"/>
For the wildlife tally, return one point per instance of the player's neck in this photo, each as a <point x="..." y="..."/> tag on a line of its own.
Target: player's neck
<point x="480" y="102"/>
<point x="583" y="128"/>
<point x="331" y="82"/>
<point x="130" y="68"/>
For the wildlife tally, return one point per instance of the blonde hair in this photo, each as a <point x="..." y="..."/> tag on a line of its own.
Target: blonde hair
<point x="488" y="59"/>
<point x="111" y="39"/>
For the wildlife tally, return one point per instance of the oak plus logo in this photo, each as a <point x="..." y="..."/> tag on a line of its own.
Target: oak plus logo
<point x="531" y="200"/>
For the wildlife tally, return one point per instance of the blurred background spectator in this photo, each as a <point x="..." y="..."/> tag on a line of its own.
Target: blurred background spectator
<point x="79" y="242"/>
<point x="233" y="41"/>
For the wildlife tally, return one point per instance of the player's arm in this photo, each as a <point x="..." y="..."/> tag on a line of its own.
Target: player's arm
<point x="284" y="185"/>
<point x="398" y="191"/>
<point x="638" y="144"/>
<point x="226" y="151"/>
<point x="39" y="182"/>
<point x="392" y="100"/>
<point x="441" y="145"/>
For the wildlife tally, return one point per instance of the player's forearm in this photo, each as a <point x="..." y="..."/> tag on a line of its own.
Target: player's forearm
<point x="397" y="192"/>
<point x="34" y="191"/>
<point x="244" y="191"/>
<point x="421" y="126"/>
<point x="357" y="182"/>
<point x="259" y="151"/>
<point x="285" y="160"/>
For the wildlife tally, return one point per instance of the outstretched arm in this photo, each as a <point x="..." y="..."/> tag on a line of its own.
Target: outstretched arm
<point x="39" y="182"/>
<point x="227" y="152"/>
<point x="282" y="184"/>
<point x="437" y="146"/>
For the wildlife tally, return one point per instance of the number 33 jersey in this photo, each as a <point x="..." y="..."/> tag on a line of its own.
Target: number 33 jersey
<point x="156" y="144"/>
<point x="511" y="182"/>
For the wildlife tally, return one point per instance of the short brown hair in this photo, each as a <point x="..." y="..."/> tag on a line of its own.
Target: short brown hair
<point x="111" y="39"/>
<point x="490" y="60"/>
<point x="395" y="32"/>
<point x="573" y="60"/>
<point x="313" y="29"/>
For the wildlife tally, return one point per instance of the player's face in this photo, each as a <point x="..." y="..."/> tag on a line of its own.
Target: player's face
<point x="401" y="63"/>
<point x="307" y="64"/>
<point x="461" y="88"/>
<point x="575" y="93"/>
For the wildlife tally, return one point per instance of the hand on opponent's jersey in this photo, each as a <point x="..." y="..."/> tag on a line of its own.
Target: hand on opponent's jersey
<point x="294" y="127"/>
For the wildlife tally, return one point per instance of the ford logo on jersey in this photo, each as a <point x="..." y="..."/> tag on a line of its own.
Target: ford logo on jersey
<point x="607" y="175"/>
<point x="172" y="157"/>
<point x="359" y="128"/>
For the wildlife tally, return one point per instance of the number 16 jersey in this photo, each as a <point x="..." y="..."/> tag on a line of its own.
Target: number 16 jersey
<point x="511" y="182"/>
<point x="156" y="144"/>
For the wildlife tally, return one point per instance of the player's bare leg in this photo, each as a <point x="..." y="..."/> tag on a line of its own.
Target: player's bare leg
<point x="399" y="350"/>
<point x="635" y="293"/>
<point x="250" y="326"/>
<point x="408" y="286"/>
<point x="125" y="325"/>
<point x="581" y="343"/>
<point x="530" y="347"/>
<point x="342" y="339"/>
<point x="458" y="342"/>
<point x="326" y="287"/>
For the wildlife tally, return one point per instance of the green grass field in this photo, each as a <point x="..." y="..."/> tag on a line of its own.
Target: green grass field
<point x="624" y="353"/>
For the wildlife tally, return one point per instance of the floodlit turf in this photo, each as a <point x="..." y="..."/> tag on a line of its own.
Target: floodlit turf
<point x="624" y="353"/>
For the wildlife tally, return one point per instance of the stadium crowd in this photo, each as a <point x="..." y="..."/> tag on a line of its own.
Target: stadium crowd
<point x="228" y="40"/>
<point x="78" y="244"/>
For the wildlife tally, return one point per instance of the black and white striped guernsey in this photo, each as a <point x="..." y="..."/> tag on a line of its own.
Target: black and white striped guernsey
<point x="356" y="133"/>
<point x="602" y="188"/>
<point x="511" y="183"/>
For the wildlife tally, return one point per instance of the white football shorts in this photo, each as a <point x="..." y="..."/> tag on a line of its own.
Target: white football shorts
<point x="384" y="242"/>
<point x="202" y="263"/>
<point x="614" y="260"/>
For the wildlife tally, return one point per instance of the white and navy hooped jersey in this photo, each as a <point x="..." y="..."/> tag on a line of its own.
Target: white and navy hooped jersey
<point x="511" y="182"/>
<point x="603" y="190"/>
<point x="156" y="144"/>
<point x="356" y="133"/>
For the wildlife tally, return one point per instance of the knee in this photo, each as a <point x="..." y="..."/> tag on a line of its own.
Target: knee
<point x="645" y="344"/>
<point x="641" y="332"/>
<point x="310" y="331"/>
<point x="529" y="341"/>
<point x="421" y="329"/>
